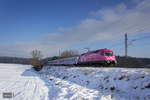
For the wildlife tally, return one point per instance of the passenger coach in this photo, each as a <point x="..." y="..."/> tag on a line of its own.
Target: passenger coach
<point x="104" y="57"/>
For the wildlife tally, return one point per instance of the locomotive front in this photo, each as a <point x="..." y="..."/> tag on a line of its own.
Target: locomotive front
<point x="102" y="57"/>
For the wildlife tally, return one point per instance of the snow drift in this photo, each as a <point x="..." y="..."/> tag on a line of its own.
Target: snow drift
<point x="85" y="83"/>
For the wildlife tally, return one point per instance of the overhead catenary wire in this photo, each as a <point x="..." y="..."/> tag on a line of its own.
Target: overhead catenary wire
<point x="137" y="39"/>
<point x="129" y="43"/>
<point x="140" y="38"/>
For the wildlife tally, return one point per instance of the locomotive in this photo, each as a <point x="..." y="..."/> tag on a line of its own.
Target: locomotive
<point x="103" y="57"/>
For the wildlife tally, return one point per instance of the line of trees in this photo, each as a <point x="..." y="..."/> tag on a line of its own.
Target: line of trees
<point x="38" y="63"/>
<point x="69" y="53"/>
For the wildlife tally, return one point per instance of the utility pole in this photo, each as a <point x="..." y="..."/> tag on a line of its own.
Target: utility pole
<point x="126" y="45"/>
<point x="59" y="52"/>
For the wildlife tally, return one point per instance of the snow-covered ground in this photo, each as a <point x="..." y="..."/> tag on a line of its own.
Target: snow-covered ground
<point x="74" y="83"/>
<point x="23" y="82"/>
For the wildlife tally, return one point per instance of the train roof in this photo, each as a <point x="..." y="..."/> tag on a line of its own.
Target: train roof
<point x="105" y="49"/>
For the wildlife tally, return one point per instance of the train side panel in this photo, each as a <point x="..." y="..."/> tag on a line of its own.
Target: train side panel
<point x="64" y="61"/>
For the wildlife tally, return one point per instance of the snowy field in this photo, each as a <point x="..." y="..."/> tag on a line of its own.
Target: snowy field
<point x="24" y="83"/>
<point x="74" y="83"/>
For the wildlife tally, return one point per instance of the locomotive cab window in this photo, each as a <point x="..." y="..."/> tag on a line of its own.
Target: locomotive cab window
<point x="95" y="51"/>
<point x="109" y="53"/>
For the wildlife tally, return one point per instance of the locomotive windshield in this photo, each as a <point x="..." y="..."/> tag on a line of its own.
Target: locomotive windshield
<point x="109" y="53"/>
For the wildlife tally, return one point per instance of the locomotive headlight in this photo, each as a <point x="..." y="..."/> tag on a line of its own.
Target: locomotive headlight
<point x="108" y="61"/>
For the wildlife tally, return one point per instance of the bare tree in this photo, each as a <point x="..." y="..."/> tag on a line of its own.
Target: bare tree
<point x="36" y="54"/>
<point x="36" y="60"/>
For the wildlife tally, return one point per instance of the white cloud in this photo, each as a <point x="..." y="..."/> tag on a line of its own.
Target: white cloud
<point x="104" y="24"/>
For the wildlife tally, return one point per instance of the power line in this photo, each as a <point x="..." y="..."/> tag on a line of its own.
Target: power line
<point x="129" y="42"/>
<point x="141" y="38"/>
<point x="137" y="29"/>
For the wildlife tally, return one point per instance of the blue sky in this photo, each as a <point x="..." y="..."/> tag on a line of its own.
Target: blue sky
<point x="57" y="25"/>
<point x="27" y="18"/>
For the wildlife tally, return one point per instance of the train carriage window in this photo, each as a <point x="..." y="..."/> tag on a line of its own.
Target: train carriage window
<point x="109" y="53"/>
<point x="98" y="52"/>
<point x="82" y="54"/>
